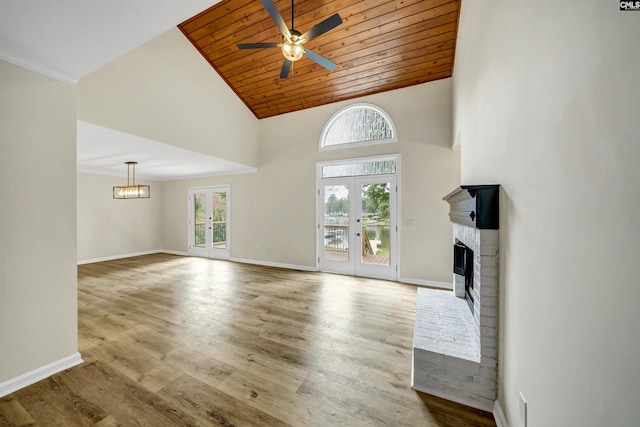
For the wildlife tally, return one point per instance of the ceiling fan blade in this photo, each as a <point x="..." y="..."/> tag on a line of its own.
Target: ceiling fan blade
<point x="277" y="18"/>
<point x="319" y="29"/>
<point x="286" y="66"/>
<point x="256" y="45"/>
<point x="319" y="59"/>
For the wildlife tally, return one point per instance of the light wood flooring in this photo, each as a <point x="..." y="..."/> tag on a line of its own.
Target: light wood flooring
<point x="171" y="340"/>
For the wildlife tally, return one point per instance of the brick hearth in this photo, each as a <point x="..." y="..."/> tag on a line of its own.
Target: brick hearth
<point x="455" y="351"/>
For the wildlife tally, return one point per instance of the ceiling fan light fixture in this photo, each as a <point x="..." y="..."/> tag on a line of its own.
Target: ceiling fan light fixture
<point x="292" y="50"/>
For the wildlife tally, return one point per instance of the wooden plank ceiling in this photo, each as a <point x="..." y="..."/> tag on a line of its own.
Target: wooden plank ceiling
<point x="381" y="45"/>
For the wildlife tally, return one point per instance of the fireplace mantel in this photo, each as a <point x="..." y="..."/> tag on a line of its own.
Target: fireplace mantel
<point x="475" y="206"/>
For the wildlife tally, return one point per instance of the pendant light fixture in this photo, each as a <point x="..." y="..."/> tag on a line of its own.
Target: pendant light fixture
<point x="131" y="190"/>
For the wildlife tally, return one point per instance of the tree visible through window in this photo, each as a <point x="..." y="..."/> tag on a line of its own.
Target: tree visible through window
<point x="357" y="124"/>
<point x="375" y="201"/>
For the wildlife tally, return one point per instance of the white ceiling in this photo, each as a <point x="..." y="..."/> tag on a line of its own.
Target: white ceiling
<point x="69" y="39"/>
<point x="104" y="151"/>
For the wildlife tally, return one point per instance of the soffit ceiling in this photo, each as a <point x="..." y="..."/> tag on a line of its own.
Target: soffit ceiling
<point x="380" y="46"/>
<point x="104" y="151"/>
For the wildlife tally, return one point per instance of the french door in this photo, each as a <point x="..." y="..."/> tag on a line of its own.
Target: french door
<point x="209" y="229"/>
<point x="357" y="226"/>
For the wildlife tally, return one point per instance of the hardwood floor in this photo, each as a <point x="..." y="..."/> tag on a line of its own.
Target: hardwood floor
<point x="171" y="340"/>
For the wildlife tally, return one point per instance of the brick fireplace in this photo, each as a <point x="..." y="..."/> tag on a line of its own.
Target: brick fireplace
<point x="455" y="344"/>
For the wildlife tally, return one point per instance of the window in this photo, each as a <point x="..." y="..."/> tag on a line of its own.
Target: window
<point x="361" y="168"/>
<point x="359" y="124"/>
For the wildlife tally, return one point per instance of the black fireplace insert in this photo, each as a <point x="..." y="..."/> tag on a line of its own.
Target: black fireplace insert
<point x="463" y="265"/>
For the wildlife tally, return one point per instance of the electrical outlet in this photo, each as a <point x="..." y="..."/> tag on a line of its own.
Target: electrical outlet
<point x="523" y="410"/>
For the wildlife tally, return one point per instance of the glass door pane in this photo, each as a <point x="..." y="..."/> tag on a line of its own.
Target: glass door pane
<point x="336" y="223"/>
<point x="219" y="220"/>
<point x="376" y="222"/>
<point x="199" y="220"/>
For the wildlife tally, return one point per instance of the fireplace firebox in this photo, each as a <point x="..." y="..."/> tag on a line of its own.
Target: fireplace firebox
<point x="463" y="265"/>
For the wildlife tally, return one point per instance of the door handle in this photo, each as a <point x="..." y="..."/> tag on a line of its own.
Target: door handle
<point x="357" y="234"/>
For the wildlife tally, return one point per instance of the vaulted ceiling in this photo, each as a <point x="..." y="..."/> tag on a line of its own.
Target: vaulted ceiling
<point x="380" y="46"/>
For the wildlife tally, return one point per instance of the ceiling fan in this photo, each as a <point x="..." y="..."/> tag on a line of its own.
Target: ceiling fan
<point x="292" y="40"/>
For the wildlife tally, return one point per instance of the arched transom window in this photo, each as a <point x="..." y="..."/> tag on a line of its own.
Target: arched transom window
<point x="358" y="124"/>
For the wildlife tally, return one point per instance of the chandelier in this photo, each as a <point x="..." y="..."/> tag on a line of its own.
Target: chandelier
<point x="131" y="190"/>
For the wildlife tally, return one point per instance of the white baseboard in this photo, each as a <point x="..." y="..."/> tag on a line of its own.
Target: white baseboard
<point x="121" y="256"/>
<point x="430" y="283"/>
<point x="170" y="252"/>
<point x="274" y="264"/>
<point x="498" y="415"/>
<point x="21" y="381"/>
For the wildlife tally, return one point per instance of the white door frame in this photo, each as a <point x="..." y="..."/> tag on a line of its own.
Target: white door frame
<point x="208" y="251"/>
<point x="395" y="249"/>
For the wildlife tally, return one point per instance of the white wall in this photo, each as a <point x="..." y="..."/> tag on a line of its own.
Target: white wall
<point x="273" y="211"/>
<point x="167" y="92"/>
<point x="38" y="303"/>
<point x="109" y="227"/>
<point x="547" y="97"/>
